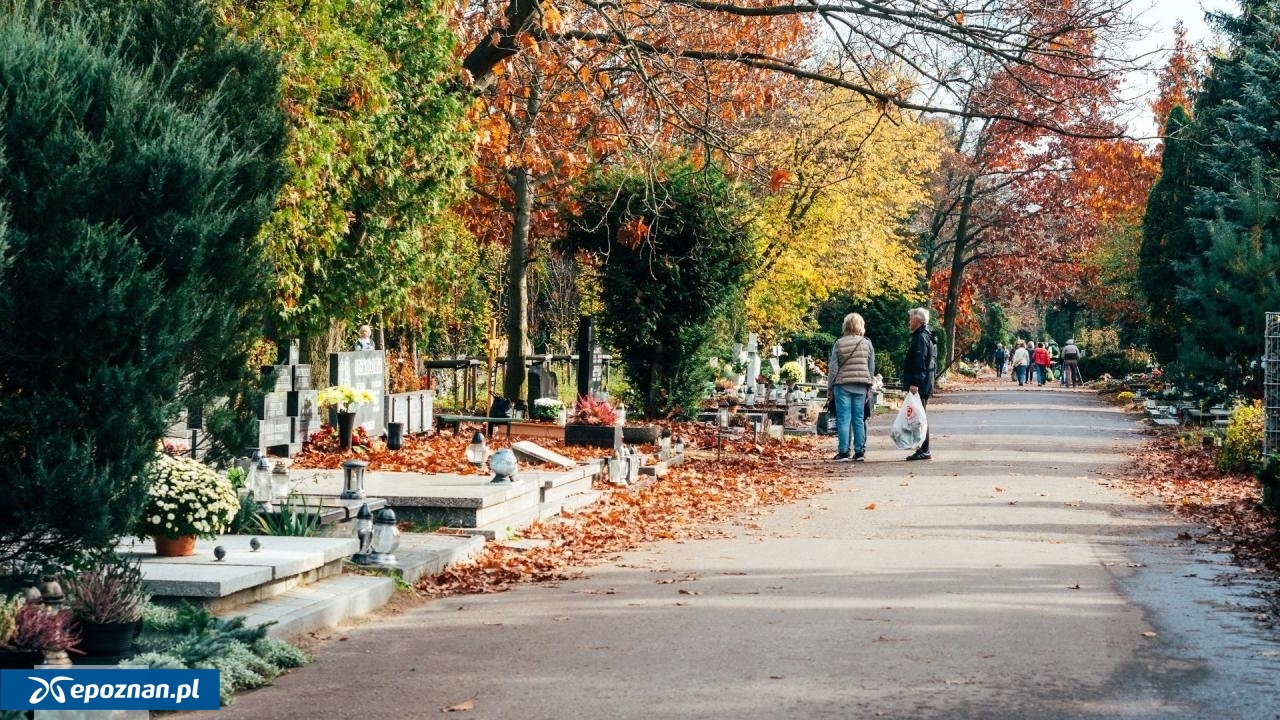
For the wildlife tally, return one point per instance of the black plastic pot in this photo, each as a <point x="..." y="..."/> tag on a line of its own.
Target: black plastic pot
<point x="395" y="435"/>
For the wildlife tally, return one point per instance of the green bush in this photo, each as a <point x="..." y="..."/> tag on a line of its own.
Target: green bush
<point x="129" y="262"/>
<point x="191" y="637"/>
<point x="1242" y="449"/>
<point x="672" y="257"/>
<point x="1115" y="364"/>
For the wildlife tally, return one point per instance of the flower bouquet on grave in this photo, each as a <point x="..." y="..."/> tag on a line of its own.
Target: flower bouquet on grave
<point x="547" y="409"/>
<point x="185" y="497"/>
<point x="342" y="398"/>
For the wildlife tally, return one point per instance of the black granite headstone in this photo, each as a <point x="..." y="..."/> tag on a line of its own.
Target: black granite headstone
<point x="542" y="383"/>
<point x="362" y="370"/>
<point x="586" y="359"/>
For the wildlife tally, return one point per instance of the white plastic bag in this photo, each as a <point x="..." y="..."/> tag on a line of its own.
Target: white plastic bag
<point x="911" y="425"/>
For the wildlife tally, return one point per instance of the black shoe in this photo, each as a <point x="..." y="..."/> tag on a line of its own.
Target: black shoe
<point x="841" y="457"/>
<point x="917" y="455"/>
<point x="859" y="456"/>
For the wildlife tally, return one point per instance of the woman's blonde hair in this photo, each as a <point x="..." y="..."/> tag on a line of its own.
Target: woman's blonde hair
<point x="854" y="324"/>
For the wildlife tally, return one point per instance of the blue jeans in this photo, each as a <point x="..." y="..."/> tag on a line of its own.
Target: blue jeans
<point x="1022" y="373"/>
<point x="849" y="412"/>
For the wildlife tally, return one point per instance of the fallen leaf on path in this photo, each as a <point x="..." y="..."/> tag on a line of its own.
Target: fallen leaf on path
<point x="872" y="506"/>
<point x="682" y="591"/>
<point x="465" y="705"/>
<point x="1148" y="634"/>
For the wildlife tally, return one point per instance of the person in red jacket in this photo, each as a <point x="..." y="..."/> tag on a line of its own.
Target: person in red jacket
<point x="1040" y="358"/>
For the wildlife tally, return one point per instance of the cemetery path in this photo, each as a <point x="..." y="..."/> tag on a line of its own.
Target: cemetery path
<point x="1007" y="579"/>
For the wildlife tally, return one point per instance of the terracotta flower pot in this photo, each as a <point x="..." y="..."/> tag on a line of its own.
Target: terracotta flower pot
<point x="181" y="546"/>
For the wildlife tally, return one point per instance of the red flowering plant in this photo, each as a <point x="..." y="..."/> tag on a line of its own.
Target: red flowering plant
<point x="589" y="411"/>
<point x="326" y="440"/>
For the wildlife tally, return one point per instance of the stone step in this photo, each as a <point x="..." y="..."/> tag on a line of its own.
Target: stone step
<point x="469" y="501"/>
<point x="326" y="603"/>
<point x="244" y="575"/>
<point x="422" y="554"/>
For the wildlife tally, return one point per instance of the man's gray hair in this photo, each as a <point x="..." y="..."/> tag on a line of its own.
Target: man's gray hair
<point x="921" y="314"/>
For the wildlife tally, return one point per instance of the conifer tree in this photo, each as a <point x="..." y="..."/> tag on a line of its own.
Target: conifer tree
<point x="1166" y="237"/>
<point x="129" y="269"/>
<point x="1235" y="172"/>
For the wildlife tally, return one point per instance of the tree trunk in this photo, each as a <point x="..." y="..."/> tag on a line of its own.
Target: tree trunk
<point x="513" y="380"/>
<point x="955" y="281"/>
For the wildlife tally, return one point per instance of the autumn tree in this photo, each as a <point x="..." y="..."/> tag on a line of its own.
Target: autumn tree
<point x="376" y="153"/>
<point x="672" y="246"/>
<point x="1018" y="203"/>
<point x="572" y="99"/>
<point x="838" y="178"/>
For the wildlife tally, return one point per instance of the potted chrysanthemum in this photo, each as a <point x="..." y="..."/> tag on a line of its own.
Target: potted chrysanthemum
<point x="187" y="500"/>
<point x="342" y="399"/>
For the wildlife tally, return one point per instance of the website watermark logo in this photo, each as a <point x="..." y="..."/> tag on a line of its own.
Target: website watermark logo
<point x="115" y="689"/>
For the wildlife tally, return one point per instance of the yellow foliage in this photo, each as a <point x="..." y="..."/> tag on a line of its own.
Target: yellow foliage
<point x="1242" y="449"/>
<point x="842" y="175"/>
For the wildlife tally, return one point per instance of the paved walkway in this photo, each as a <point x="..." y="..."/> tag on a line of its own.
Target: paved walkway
<point x="1004" y="580"/>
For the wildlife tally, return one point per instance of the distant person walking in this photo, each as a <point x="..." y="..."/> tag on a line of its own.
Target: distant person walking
<point x="1040" y="358"/>
<point x="1071" y="364"/>
<point x="365" y="341"/>
<point x="852" y="369"/>
<point x="919" y="367"/>
<point x="999" y="359"/>
<point x="1021" y="361"/>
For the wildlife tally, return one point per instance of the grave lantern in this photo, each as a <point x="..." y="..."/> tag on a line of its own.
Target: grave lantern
<point x="477" y="451"/>
<point x="262" y="481"/>
<point x="364" y="536"/>
<point x="280" y="481"/>
<point x="353" y="479"/>
<point x="504" y="466"/>
<point x="386" y="538"/>
<point x="722" y="416"/>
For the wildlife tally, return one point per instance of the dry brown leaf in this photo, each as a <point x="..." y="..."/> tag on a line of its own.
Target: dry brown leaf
<point x="464" y="706"/>
<point x="871" y="506"/>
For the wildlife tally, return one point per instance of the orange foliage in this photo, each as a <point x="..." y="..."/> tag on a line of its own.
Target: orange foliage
<point x="580" y="101"/>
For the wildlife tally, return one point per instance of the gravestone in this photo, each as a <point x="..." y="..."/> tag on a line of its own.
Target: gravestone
<point x="362" y="370"/>
<point x="285" y="418"/>
<point x="586" y="360"/>
<point x="542" y="383"/>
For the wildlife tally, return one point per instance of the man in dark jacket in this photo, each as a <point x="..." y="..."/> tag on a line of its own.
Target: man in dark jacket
<point x="919" y="367"/>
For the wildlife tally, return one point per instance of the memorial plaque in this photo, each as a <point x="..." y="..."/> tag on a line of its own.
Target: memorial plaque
<point x="277" y="378"/>
<point x="309" y="418"/>
<point x="275" y="431"/>
<point x="275" y="405"/>
<point x="301" y="377"/>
